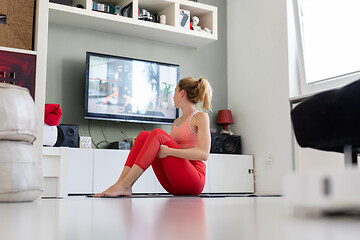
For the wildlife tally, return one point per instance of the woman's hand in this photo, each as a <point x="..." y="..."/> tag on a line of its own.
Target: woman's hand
<point x="164" y="151"/>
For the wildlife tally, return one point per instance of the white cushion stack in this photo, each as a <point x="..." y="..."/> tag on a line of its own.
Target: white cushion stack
<point x="20" y="163"/>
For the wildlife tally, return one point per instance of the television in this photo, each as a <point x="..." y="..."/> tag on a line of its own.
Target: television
<point x="129" y="89"/>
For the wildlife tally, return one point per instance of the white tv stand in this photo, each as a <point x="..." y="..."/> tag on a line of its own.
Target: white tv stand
<point x="85" y="171"/>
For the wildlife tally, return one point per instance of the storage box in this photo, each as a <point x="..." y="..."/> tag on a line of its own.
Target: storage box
<point x="16" y="27"/>
<point x="85" y="142"/>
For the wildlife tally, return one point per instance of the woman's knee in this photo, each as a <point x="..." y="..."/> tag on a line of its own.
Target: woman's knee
<point x="143" y="135"/>
<point x="159" y="135"/>
<point x="157" y="131"/>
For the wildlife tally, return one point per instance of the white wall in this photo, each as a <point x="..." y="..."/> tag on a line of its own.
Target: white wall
<point x="258" y="86"/>
<point x="312" y="159"/>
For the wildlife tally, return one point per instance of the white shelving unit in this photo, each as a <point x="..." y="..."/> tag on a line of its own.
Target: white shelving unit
<point x="170" y="33"/>
<point x="17" y="50"/>
<point x="40" y="51"/>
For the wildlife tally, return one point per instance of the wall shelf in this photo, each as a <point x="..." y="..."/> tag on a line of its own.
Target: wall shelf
<point x="172" y="33"/>
<point x="17" y="50"/>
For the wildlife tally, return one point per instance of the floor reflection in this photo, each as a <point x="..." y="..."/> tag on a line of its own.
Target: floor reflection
<point x="181" y="219"/>
<point x="174" y="218"/>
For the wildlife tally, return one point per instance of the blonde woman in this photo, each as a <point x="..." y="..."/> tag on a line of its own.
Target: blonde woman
<point x="177" y="159"/>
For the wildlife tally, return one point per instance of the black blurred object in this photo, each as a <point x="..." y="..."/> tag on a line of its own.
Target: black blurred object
<point x="2" y="19"/>
<point x="329" y="120"/>
<point x="119" y="145"/>
<point x="146" y="15"/>
<point x="79" y="6"/>
<point x="63" y="2"/>
<point x="68" y="136"/>
<point x="127" y="10"/>
<point x="228" y="144"/>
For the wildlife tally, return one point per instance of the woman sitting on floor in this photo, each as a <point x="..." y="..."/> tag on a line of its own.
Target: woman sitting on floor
<point x="177" y="159"/>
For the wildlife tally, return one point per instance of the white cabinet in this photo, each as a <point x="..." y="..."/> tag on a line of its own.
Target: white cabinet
<point x="55" y="167"/>
<point x="80" y="171"/>
<point x="108" y="165"/>
<point x="171" y="32"/>
<point x="231" y="173"/>
<point x="85" y="171"/>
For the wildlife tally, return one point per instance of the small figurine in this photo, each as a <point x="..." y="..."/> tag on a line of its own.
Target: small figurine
<point x="196" y="27"/>
<point x="195" y="22"/>
<point x="226" y="132"/>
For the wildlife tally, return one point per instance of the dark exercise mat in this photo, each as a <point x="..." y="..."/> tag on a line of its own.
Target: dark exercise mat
<point x="158" y="196"/>
<point x="206" y="195"/>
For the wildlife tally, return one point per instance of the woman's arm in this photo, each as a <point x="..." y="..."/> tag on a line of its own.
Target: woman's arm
<point x="201" y="152"/>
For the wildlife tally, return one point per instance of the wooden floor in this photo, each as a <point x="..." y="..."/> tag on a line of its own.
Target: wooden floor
<point x="182" y="218"/>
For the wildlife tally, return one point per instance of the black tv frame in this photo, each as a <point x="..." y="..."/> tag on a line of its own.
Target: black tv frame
<point x="124" y="118"/>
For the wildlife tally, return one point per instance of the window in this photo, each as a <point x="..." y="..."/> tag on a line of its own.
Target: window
<point x="328" y="36"/>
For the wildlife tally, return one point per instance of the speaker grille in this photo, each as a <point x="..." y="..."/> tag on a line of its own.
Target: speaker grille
<point x="230" y="144"/>
<point x="67" y="136"/>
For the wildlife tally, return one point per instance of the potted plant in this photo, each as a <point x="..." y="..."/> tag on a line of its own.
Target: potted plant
<point x="166" y="94"/>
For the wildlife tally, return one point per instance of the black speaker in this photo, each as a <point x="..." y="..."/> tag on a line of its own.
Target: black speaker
<point x="229" y="144"/>
<point x="68" y="136"/>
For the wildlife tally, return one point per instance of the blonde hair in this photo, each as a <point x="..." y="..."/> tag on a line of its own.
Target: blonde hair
<point x="197" y="91"/>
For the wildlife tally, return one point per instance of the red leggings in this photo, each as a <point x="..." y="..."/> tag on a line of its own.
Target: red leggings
<point x="178" y="176"/>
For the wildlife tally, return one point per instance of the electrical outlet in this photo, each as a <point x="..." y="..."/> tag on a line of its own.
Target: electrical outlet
<point x="270" y="159"/>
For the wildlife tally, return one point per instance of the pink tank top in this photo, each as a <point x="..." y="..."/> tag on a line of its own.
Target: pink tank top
<point x="184" y="135"/>
<point x="187" y="138"/>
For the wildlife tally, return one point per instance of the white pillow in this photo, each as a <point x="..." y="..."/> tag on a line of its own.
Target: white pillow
<point x="17" y="114"/>
<point x="21" y="177"/>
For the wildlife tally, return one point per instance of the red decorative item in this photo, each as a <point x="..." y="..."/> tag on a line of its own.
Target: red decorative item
<point x="224" y="117"/>
<point x="18" y="69"/>
<point x="53" y="114"/>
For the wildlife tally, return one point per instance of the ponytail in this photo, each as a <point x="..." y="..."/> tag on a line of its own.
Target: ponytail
<point x="197" y="91"/>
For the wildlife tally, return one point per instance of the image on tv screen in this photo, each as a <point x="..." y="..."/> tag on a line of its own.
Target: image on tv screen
<point x="130" y="89"/>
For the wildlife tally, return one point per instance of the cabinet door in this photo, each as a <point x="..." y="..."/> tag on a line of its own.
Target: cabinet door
<point x="230" y="173"/>
<point x="80" y="170"/>
<point x="207" y="185"/>
<point x="158" y="187"/>
<point x="108" y="165"/>
<point x="146" y="183"/>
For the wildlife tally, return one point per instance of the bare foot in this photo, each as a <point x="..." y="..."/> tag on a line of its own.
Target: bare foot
<point x="116" y="190"/>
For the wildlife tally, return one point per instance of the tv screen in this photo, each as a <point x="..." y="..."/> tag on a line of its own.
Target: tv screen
<point x="127" y="89"/>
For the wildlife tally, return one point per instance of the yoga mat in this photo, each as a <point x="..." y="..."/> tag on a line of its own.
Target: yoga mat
<point x="206" y="195"/>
